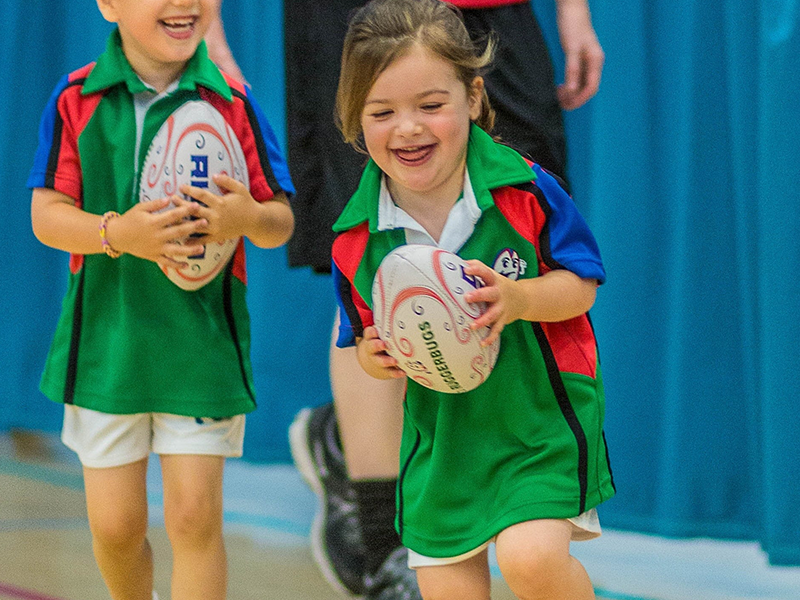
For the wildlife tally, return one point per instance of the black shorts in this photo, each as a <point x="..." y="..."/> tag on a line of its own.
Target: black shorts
<point x="326" y="171"/>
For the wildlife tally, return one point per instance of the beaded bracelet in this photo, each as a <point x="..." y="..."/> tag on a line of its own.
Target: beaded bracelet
<point x="103" y="239"/>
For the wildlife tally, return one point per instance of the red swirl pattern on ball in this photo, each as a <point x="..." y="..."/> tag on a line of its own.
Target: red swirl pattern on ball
<point x="423" y="381"/>
<point x="196" y="127"/>
<point x="382" y="292"/>
<point x="477" y="364"/>
<point x="403" y="344"/>
<point x="154" y="170"/>
<point x="170" y="186"/>
<point x="437" y="268"/>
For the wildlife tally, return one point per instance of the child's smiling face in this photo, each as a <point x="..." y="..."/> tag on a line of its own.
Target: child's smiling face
<point x="416" y="122"/>
<point x="160" y="36"/>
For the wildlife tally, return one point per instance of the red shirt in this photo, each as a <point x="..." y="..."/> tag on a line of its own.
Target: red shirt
<point x="471" y="4"/>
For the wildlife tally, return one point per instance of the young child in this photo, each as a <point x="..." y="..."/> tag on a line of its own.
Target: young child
<point x="521" y="460"/>
<point x="140" y="364"/>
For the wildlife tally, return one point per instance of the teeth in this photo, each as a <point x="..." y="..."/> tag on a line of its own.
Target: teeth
<point x="181" y="23"/>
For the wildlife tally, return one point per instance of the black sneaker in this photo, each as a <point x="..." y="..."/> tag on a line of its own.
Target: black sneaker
<point x="336" y="542"/>
<point x="394" y="579"/>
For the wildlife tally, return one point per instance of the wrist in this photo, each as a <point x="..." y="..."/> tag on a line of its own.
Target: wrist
<point x="108" y="246"/>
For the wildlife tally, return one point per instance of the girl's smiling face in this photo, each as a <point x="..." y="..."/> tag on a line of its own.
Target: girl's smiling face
<point x="416" y="122"/>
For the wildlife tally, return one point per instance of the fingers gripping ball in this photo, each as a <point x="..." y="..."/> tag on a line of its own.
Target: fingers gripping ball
<point x="192" y="145"/>
<point x="421" y="315"/>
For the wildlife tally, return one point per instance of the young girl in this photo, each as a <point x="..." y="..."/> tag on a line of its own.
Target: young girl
<point x="520" y="461"/>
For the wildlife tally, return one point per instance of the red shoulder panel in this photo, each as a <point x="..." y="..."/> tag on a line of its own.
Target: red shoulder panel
<point x="235" y="113"/>
<point x="573" y="342"/>
<point x="348" y="250"/>
<point x="74" y="112"/>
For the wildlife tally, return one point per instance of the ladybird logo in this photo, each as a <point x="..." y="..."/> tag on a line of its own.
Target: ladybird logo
<point x="509" y="263"/>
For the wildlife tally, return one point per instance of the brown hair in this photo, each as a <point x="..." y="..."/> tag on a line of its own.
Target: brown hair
<point x="382" y="31"/>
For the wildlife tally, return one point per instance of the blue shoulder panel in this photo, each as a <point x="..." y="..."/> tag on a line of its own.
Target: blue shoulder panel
<point x="572" y="244"/>
<point x="38" y="173"/>
<point x="278" y="163"/>
<point x="346" y="335"/>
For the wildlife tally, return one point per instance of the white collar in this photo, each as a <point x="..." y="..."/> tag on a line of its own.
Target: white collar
<point x="457" y="229"/>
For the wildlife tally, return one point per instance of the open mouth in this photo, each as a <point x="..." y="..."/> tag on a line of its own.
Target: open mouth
<point x="179" y="26"/>
<point x="413" y="154"/>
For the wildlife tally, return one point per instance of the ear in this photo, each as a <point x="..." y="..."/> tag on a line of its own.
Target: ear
<point x="108" y="8"/>
<point x="475" y="98"/>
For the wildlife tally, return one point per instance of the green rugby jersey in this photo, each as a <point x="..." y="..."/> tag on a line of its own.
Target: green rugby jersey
<point x="528" y="443"/>
<point x="129" y="340"/>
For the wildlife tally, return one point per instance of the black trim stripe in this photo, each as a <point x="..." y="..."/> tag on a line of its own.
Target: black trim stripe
<point x="346" y="295"/>
<point x="400" y="486"/>
<point x="261" y="147"/>
<point x="55" y="148"/>
<point x="608" y="462"/>
<point x="566" y="409"/>
<point x="75" y="342"/>
<point x="544" y="235"/>
<point x="227" y="303"/>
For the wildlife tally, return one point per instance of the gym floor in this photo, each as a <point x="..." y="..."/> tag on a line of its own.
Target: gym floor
<point x="45" y="543"/>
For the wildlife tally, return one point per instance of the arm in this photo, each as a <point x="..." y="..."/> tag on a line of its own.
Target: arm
<point x="219" y="51"/>
<point x="141" y="231"/>
<point x="236" y="213"/>
<point x="555" y="296"/>
<point x="583" y="54"/>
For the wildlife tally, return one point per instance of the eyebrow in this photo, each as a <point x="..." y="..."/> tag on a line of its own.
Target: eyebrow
<point x="421" y="96"/>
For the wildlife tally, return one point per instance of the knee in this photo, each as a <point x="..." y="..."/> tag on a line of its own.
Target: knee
<point x="535" y="571"/>
<point x="119" y="531"/>
<point x="192" y="519"/>
<point x="430" y="589"/>
<point x="441" y="583"/>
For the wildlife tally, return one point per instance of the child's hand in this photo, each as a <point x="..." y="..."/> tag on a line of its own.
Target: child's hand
<point x="230" y="215"/>
<point x="144" y="232"/>
<point x="374" y="359"/>
<point x="506" y="300"/>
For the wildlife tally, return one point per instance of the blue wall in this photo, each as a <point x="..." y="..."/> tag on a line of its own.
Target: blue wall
<point x="685" y="166"/>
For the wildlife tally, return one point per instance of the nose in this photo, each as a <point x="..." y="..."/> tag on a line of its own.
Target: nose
<point x="409" y="126"/>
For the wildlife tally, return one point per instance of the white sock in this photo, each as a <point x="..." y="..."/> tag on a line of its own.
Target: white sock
<point x="155" y="596"/>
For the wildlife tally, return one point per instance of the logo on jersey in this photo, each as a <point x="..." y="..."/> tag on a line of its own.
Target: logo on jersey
<point x="509" y="263"/>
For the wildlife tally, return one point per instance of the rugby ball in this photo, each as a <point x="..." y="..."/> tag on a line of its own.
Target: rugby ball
<point x="192" y="145"/>
<point x="420" y="313"/>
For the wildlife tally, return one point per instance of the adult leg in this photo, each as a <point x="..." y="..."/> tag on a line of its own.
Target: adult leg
<point x="535" y="561"/>
<point x="353" y="537"/>
<point x="324" y="169"/>
<point x="193" y="520"/>
<point x="370" y="416"/>
<point x="466" y="580"/>
<point x="116" y="501"/>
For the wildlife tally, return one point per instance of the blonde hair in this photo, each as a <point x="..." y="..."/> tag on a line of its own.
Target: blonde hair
<point x="382" y="31"/>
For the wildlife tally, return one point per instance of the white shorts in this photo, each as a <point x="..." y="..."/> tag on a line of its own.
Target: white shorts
<point x="586" y="526"/>
<point x="106" y="440"/>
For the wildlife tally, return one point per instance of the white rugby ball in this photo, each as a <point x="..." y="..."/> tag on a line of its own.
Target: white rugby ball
<point x="192" y="145"/>
<point x="421" y="315"/>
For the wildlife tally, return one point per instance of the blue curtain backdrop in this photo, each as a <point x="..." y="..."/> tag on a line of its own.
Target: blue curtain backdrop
<point x="685" y="165"/>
